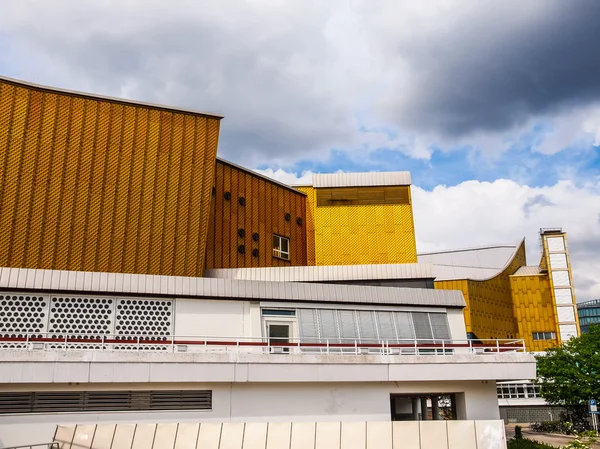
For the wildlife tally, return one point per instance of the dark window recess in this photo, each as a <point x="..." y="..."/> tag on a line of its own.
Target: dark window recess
<point x="242" y="201"/>
<point x="299" y="221"/>
<point x="255" y="236"/>
<point x="241" y="249"/>
<point x="227" y="196"/>
<point x="241" y="233"/>
<point x="278" y="312"/>
<point x="288" y="217"/>
<point x="214" y="191"/>
<point x="255" y="252"/>
<point x="91" y="401"/>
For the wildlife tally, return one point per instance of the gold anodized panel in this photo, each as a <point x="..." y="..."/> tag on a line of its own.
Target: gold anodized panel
<point x="101" y="185"/>
<point x="489" y="312"/>
<point x="361" y="233"/>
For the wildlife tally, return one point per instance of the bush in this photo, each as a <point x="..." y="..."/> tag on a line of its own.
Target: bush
<point x="524" y="443"/>
<point x="564" y="427"/>
<point x="518" y="432"/>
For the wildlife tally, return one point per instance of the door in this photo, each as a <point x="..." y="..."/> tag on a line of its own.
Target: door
<point x="278" y="333"/>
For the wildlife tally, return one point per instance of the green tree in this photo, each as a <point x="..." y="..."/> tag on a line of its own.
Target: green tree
<point x="569" y="375"/>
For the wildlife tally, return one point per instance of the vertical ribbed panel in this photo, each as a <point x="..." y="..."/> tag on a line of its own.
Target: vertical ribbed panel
<point x="489" y="312"/>
<point x="100" y="185"/>
<point x="262" y="210"/>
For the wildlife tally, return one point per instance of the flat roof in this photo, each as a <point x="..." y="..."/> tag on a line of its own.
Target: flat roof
<point x="326" y="273"/>
<point x="78" y="282"/>
<point x="365" y="179"/>
<point x="106" y="98"/>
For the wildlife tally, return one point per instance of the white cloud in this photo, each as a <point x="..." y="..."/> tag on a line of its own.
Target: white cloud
<point x="304" y="178"/>
<point x="296" y="78"/>
<point x="477" y="213"/>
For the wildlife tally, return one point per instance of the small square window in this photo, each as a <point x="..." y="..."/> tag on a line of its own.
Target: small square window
<point x="281" y="247"/>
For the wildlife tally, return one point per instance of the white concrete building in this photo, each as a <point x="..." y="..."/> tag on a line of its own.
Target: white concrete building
<point x="88" y="348"/>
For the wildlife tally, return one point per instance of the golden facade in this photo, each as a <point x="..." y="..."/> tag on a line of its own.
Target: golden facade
<point x="247" y="210"/>
<point x="95" y="184"/>
<point x="360" y="225"/>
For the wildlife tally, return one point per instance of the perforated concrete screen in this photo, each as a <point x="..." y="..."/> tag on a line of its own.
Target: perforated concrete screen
<point x="304" y="435"/>
<point x="84" y="316"/>
<point x="79" y="316"/>
<point x="22" y="314"/>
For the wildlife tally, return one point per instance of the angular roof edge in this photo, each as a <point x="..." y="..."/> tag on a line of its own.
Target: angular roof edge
<point x="259" y="175"/>
<point x="155" y="285"/>
<point x="106" y="98"/>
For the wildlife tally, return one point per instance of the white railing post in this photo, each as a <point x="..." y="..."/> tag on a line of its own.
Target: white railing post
<point x="66" y="341"/>
<point x="498" y="346"/>
<point x="523" y="343"/>
<point x="27" y="341"/>
<point x="470" y="346"/>
<point x="103" y="340"/>
<point x="138" y="344"/>
<point x="416" y="350"/>
<point x="444" y="347"/>
<point x="327" y="343"/>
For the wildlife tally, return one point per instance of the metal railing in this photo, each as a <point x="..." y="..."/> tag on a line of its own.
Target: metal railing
<point x="53" y="445"/>
<point x="41" y="341"/>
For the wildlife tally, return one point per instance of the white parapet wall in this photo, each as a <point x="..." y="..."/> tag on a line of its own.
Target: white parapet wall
<point x="305" y="435"/>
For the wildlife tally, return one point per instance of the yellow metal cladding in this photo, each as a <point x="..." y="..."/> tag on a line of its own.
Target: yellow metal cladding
<point x="95" y="184"/>
<point x="534" y="309"/>
<point x="359" y="234"/>
<point x="489" y="312"/>
<point x="310" y="225"/>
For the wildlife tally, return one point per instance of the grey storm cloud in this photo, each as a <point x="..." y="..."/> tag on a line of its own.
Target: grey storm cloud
<point x="498" y="64"/>
<point x="534" y="202"/>
<point x="296" y="78"/>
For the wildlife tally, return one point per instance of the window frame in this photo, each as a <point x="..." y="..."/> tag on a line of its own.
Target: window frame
<point x="543" y="336"/>
<point x="277" y="253"/>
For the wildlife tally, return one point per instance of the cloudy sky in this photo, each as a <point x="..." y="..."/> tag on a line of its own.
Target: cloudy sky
<point x="494" y="107"/>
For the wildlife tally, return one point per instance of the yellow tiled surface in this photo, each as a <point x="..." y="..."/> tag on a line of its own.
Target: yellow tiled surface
<point x="100" y="185"/>
<point x="354" y="235"/>
<point x="489" y="312"/>
<point x="534" y="309"/>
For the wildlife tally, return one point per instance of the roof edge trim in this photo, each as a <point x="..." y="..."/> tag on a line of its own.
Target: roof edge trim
<point x="58" y="90"/>
<point x="252" y="172"/>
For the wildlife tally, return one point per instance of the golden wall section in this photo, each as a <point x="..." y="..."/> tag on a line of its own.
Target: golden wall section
<point x="256" y="205"/>
<point x="311" y="255"/>
<point x="95" y="184"/>
<point x="361" y="233"/>
<point x="489" y="312"/>
<point x="534" y="309"/>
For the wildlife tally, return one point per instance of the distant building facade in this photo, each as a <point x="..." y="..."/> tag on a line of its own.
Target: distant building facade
<point x="589" y="314"/>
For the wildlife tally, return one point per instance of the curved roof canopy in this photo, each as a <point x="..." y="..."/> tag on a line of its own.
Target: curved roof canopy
<point x="476" y="264"/>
